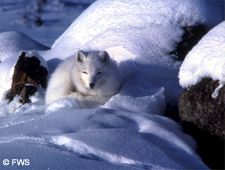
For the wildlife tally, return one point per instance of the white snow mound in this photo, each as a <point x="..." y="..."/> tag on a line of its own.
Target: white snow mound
<point x="132" y="21"/>
<point x="95" y="139"/>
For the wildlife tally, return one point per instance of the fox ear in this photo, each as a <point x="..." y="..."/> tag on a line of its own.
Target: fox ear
<point x="103" y="56"/>
<point x="81" y="55"/>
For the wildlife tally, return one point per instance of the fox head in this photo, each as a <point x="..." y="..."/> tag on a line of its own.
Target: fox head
<point x="92" y="68"/>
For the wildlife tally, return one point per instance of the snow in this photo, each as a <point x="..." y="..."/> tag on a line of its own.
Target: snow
<point x="12" y="42"/>
<point x="206" y="59"/>
<point x="79" y="1"/>
<point x="96" y="138"/>
<point x="133" y="33"/>
<point x="216" y="92"/>
<point x="20" y="15"/>
<point x="129" y="131"/>
<point x="153" y="103"/>
<point x="105" y="15"/>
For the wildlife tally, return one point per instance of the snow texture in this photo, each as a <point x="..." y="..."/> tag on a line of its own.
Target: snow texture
<point x="56" y="15"/>
<point x="131" y="20"/>
<point x="95" y="139"/>
<point x="129" y="131"/>
<point x="206" y="59"/>
<point x="12" y="42"/>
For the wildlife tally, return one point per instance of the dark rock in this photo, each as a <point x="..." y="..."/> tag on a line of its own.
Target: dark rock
<point x="38" y="21"/>
<point x="191" y="36"/>
<point x="198" y="107"/>
<point x="172" y="112"/>
<point x="28" y="76"/>
<point x="210" y="147"/>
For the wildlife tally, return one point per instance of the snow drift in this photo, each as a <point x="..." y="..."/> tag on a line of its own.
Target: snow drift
<point x="12" y="42"/>
<point x="132" y="21"/>
<point x="95" y="139"/>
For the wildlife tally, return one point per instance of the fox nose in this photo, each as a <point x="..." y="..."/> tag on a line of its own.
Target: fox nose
<point x="92" y="85"/>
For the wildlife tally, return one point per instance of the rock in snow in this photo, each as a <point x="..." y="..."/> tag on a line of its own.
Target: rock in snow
<point x="17" y="72"/>
<point x="29" y="75"/>
<point x="197" y="106"/>
<point x="11" y="45"/>
<point x="203" y="101"/>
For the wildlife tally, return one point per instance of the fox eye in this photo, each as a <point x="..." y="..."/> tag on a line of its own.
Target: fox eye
<point x="99" y="72"/>
<point x="84" y="72"/>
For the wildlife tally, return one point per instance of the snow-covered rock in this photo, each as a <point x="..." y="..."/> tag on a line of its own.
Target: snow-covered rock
<point x="11" y="45"/>
<point x="202" y="74"/>
<point x="207" y="59"/>
<point x="7" y="71"/>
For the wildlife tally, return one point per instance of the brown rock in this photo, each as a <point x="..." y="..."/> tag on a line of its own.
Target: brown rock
<point x="198" y="107"/>
<point x="28" y="76"/>
<point x="191" y="36"/>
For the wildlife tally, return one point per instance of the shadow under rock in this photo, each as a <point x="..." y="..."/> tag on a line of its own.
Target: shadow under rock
<point x="210" y="148"/>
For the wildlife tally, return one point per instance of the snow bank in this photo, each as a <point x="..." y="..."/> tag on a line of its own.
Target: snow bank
<point x="57" y="15"/>
<point x="105" y="15"/>
<point x="13" y="42"/>
<point x="95" y="138"/>
<point x="149" y="103"/>
<point x="81" y="2"/>
<point x="206" y="59"/>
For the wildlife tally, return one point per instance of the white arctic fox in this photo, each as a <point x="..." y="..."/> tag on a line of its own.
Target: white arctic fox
<point x="90" y="77"/>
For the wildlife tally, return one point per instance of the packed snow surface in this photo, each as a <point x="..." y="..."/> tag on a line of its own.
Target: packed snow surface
<point x="206" y="59"/>
<point x="61" y="136"/>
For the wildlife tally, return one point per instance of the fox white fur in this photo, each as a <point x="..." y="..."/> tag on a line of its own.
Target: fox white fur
<point x="89" y="77"/>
